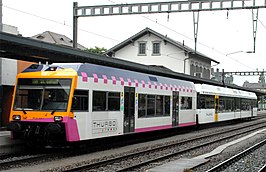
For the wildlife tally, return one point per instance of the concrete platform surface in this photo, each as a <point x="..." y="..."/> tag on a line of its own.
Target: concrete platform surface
<point x="181" y="164"/>
<point x="7" y="145"/>
<point x="5" y="138"/>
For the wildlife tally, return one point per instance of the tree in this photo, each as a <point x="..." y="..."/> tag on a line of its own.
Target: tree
<point x="96" y="50"/>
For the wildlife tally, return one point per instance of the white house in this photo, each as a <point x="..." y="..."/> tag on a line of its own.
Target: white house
<point x="152" y="48"/>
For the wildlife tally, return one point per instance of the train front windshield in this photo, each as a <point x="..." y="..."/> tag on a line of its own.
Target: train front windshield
<point x="42" y="94"/>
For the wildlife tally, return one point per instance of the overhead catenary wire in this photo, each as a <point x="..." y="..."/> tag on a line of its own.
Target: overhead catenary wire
<point x="107" y="37"/>
<point x="61" y="23"/>
<point x="217" y="51"/>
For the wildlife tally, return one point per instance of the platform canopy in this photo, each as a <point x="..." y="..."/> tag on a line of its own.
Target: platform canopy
<point x="27" y="49"/>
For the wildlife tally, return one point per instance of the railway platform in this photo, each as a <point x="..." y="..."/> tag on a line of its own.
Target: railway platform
<point x="5" y="138"/>
<point x="6" y="143"/>
<point x="188" y="163"/>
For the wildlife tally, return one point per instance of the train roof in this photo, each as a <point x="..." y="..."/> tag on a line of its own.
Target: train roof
<point x="109" y="72"/>
<point x="90" y="70"/>
<point x="222" y="91"/>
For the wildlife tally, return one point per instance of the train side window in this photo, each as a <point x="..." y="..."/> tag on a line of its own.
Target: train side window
<point x="237" y="104"/>
<point x="245" y="104"/>
<point x="186" y="102"/>
<point x="153" y="105"/>
<point x="80" y="100"/>
<point x="150" y="105"/>
<point x="142" y="105"/>
<point x="205" y="102"/>
<point x="254" y="103"/>
<point x="159" y="105"/>
<point x="202" y="102"/>
<point x="106" y="101"/>
<point x="113" y="101"/>
<point x="221" y="104"/>
<point x="167" y="105"/>
<point x="99" y="101"/>
<point x="209" y="102"/>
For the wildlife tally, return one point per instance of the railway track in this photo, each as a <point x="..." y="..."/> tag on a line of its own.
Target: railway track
<point x="136" y="160"/>
<point x="9" y="161"/>
<point x="263" y="169"/>
<point x="237" y="157"/>
<point x="13" y="160"/>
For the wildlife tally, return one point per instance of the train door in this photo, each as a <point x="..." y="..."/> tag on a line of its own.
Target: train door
<point x="175" y="115"/>
<point x="129" y="109"/>
<point x="216" y="107"/>
<point x="251" y="107"/>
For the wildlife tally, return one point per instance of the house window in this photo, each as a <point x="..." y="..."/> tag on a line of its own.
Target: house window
<point x="198" y="74"/>
<point x="156" y="48"/>
<point x="142" y="48"/>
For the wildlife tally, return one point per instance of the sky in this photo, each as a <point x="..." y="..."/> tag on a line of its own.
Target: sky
<point x="225" y="36"/>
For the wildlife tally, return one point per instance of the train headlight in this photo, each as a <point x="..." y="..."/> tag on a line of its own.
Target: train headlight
<point x="16" y="117"/>
<point x="58" y="118"/>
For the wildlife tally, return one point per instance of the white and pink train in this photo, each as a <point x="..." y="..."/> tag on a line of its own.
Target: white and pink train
<point x="74" y="102"/>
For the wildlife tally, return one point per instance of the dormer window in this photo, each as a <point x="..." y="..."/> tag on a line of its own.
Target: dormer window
<point x="142" y="48"/>
<point x="156" y="48"/>
<point x="40" y="37"/>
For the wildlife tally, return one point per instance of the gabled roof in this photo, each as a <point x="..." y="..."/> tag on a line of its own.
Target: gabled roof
<point x="56" y="38"/>
<point x="164" y="38"/>
<point x="255" y="85"/>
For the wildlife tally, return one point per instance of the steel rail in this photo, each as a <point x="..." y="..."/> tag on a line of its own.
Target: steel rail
<point x="263" y="169"/>
<point x="236" y="157"/>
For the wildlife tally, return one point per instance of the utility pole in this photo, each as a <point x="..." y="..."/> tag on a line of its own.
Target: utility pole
<point x="1" y="16"/>
<point x="75" y="25"/>
<point x="255" y="15"/>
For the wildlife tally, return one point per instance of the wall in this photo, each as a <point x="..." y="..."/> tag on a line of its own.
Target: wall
<point x="171" y="56"/>
<point x="200" y="66"/>
<point x="8" y="71"/>
<point x="22" y="65"/>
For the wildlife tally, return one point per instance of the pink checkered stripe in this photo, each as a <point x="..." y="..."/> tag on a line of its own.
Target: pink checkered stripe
<point x="149" y="83"/>
<point x="143" y="83"/>
<point x="122" y="81"/>
<point x="113" y="79"/>
<point x="105" y="80"/>
<point x="166" y="86"/>
<point x="180" y="89"/>
<point x="161" y="86"/>
<point x="155" y="85"/>
<point x="129" y="82"/>
<point x="136" y="83"/>
<point x="95" y="76"/>
<point x="84" y="76"/>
